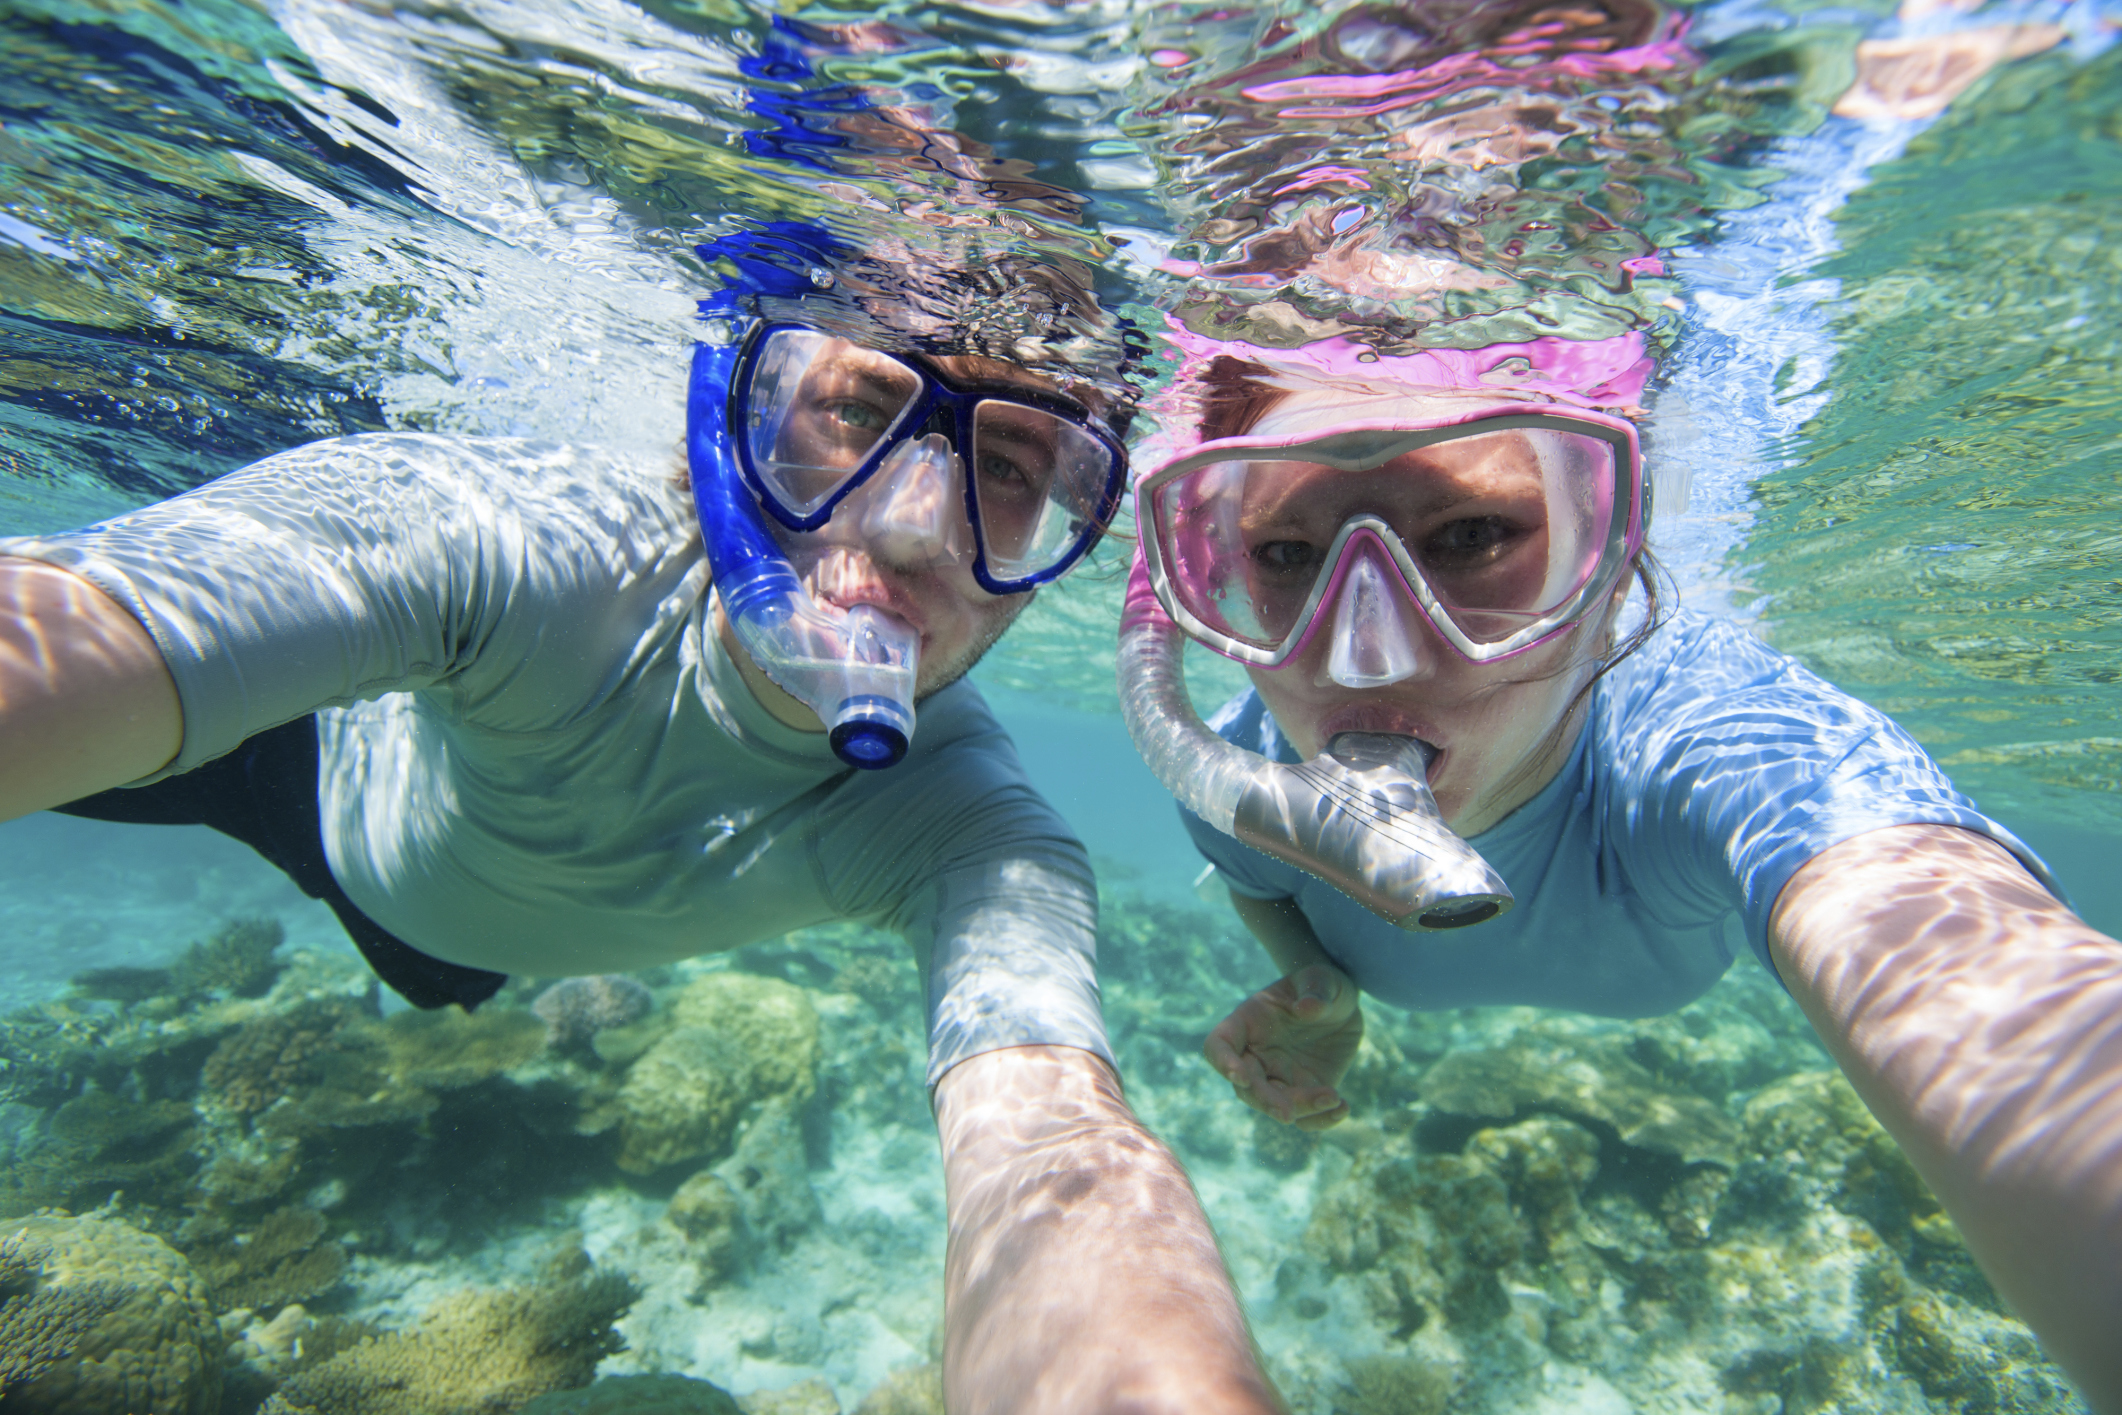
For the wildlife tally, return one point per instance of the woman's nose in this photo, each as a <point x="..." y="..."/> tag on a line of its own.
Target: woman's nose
<point x="912" y="512"/>
<point x="1376" y="632"/>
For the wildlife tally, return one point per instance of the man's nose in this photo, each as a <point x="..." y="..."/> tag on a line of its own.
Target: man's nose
<point x="1376" y="632"/>
<point x="914" y="513"/>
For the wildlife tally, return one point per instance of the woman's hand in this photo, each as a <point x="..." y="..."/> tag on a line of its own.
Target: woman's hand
<point x="1284" y="1048"/>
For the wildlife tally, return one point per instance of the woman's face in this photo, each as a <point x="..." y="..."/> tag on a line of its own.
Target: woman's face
<point x="1475" y="518"/>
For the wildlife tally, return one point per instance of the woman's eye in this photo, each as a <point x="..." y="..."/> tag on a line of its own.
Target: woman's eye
<point x="1475" y="538"/>
<point x="1286" y="557"/>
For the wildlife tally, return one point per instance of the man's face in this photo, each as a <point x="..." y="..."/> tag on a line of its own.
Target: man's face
<point x="903" y="541"/>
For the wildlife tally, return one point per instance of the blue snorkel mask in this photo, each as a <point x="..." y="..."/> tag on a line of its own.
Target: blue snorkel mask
<point x="790" y="422"/>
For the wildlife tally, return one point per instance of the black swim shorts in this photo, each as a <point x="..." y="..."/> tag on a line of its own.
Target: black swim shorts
<point x="265" y="794"/>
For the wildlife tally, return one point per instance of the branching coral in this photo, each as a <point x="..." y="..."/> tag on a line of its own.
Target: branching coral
<point x="99" y="1318"/>
<point x="237" y="961"/>
<point x="267" y="1060"/>
<point x="477" y="1353"/>
<point x="98" y="1143"/>
<point x="638" y="1395"/>
<point x="285" y="1258"/>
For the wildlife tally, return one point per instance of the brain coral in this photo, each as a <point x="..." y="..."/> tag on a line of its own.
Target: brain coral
<point x="680" y="1100"/>
<point x="102" y="1318"/>
<point x="477" y="1353"/>
<point x="771" y="1022"/>
<point x="576" y="1009"/>
<point x="735" y="1039"/>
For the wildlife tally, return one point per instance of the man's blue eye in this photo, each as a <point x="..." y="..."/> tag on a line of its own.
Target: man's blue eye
<point x="1000" y="468"/>
<point x="858" y="415"/>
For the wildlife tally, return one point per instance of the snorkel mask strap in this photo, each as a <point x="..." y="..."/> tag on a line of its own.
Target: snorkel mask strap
<point x="855" y="668"/>
<point x="1359" y="815"/>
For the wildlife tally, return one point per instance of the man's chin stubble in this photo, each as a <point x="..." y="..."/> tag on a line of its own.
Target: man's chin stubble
<point x="1006" y="611"/>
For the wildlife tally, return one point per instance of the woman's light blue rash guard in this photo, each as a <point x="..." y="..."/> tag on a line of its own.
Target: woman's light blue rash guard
<point x="1710" y="769"/>
<point x="537" y="756"/>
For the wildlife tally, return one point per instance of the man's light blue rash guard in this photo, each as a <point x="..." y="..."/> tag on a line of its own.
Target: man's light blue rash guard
<point x="537" y="756"/>
<point x="1710" y="769"/>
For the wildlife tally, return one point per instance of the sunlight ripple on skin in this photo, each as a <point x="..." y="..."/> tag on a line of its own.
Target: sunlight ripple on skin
<point x="1048" y="1174"/>
<point x="1996" y="1088"/>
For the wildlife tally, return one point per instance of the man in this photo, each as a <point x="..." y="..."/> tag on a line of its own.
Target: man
<point x="511" y="707"/>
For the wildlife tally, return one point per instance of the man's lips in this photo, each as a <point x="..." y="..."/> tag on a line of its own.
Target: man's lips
<point x="893" y="605"/>
<point x="844" y="585"/>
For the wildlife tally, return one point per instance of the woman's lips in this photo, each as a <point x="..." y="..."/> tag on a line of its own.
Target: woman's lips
<point x="1386" y="718"/>
<point x="1374" y="717"/>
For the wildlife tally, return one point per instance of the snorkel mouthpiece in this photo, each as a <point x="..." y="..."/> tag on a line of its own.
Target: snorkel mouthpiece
<point x="856" y="668"/>
<point x="1359" y="815"/>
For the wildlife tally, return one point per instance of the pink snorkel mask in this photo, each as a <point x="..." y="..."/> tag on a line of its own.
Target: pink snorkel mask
<point x="1498" y="525"/>
<point x="1501" y="526"/>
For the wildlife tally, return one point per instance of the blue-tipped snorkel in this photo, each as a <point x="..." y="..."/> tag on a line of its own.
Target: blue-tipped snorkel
<point x="855" y="668"/>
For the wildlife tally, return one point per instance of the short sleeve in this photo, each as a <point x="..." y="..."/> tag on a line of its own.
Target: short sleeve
<point x="1732" y="765"/>
<point x="343" y="570"/>
<point x="1011" y="961"/>
<point x="957" y="851"/>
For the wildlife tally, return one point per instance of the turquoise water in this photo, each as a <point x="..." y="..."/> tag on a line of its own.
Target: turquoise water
<point x="227" y="228"/>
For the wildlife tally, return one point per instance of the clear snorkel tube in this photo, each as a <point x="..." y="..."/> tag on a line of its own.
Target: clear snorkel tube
<point x="1359" y="815"/>
<point x="856" y="667"/>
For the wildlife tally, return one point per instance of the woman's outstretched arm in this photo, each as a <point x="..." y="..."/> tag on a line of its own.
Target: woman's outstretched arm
<point x="1082" y="1276"/>
<point x="1981" y="1021"/>
<point x="86" y="702"/>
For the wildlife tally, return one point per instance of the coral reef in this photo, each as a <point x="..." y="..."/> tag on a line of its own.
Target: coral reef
<point x="811" y="1397"/>
<point x="640" y="1395"/>
<point x="284" y="1258"/>
<point x="1527" y="1210"/>
<point x="915" y="1390"/>
<point x="1585" y="1078"/>
<point x="729" y="1040"/>
<point x="705" y="1209"/>
<point x="477" y="1353"/>
<point x="99" y="1317"/>
<point x="576" y="1009"/>
<point x="238" y="961"/>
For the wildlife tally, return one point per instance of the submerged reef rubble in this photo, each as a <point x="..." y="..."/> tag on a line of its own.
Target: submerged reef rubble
<point x="334" y="1210"/>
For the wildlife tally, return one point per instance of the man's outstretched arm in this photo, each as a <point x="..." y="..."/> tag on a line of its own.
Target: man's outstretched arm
<point x="86" y="702"/>
<point x="1082" y="1277"/>
<point x="1982" y="1023"/>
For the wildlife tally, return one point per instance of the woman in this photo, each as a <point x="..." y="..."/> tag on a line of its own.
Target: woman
<point x="1425" y="563"/>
